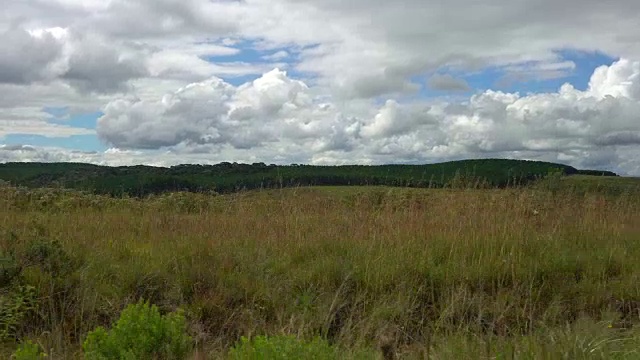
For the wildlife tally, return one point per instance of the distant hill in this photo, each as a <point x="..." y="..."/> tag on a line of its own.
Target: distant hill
<point x="229" y="177"/>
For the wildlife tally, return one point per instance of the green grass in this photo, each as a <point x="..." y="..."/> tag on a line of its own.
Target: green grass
<point x="513" y="273"/>
<point x="594" y="182"/>
<point x="588" y="184"/>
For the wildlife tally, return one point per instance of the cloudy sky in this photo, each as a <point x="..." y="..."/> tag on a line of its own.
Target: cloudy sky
<point x="164" y="82"/>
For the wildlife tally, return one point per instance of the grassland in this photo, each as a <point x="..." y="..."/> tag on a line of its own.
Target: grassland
<point x="548" y="272"/>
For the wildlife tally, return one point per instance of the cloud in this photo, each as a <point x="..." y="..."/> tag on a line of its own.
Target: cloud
<point x="27" y="57"/>
<point x="279" y="55"/>
<point x="95" y="65"/>
<point x="621" y="80"/>
<point x="189" y="114"/>
<point x="446" y="82"/>
<point x="186" y="66"/>
<point x="603" y="115"/>
<point x="546" y="70"/>
<point x="216" y="112"/>
<point x="88" y="62"/>
<point x="39" y="127"/>
<point x="277" y="112"/>
<point x="393" y="119"/>
<point x="361" y="48"/>
<point x="352" y="90"/>
<point x="619" y="138"/>
<point x="28" y="153"/>
<point x="386" y="43"/>
<point x="153" y="19"/>
<point x="22" y="108"/>
<point x="118" y="157"/>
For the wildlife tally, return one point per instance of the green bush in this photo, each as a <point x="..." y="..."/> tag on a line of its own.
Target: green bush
<point x="15" y="305"/>
<point x="28" y="350"/>
<point x="140" y="333"/>
<point x="9" y="270"/>
<point x="282" y="347"/>
<point x="50" y="257"/>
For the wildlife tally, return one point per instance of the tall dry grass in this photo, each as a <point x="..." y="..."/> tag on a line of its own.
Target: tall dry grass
<point x="437" y="273"/>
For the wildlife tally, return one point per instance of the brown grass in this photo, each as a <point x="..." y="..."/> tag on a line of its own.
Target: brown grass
<point x="522" y="273"/>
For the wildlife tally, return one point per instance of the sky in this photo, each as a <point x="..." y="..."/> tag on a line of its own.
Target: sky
<point x="167" y="82"/>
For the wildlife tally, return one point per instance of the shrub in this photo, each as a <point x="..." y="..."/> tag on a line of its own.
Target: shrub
<point x="50" y="256"/>
<point x="282" y="347"/>
<point x="9" y="270"/>
<point x="140" y="333"/>
<point x="15" y="305"/>
<point x="28" y="350"/>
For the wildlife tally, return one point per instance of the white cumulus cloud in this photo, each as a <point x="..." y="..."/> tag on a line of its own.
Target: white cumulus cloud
<point x="275" y="111"/>
<point x="195" y="79"/>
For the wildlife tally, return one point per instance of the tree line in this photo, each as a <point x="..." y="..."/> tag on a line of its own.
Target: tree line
<point x="228" y="177"/>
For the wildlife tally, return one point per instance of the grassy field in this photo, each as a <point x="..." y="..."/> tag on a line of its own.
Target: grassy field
<point x="537" y="273"/>
<point x="610" y="185"/>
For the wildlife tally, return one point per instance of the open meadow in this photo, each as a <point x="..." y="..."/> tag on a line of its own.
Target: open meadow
<point x="547" y="272"/>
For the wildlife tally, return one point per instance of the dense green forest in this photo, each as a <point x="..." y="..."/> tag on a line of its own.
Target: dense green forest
<point x="228" y="177"/>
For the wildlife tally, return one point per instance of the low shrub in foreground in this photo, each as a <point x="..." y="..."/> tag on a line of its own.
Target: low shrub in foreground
<point x="28" y="350"/>
<point x="282" y="347"/>
<point x="140" y="333"/>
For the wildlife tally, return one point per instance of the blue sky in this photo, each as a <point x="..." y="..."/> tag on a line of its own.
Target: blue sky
<point x="60" y="116"/>
<point x="73" y="142"/>
<point x="489" y="78"/>
<point x="250" y="53"/>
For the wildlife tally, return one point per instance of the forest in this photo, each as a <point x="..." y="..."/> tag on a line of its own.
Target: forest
<point x="228" y="177"/>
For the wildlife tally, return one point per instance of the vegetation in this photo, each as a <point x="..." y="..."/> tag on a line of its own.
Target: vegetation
<point x="605" y="185"/>
<point x="282" y="348"/>
<point x="140" y="333"/>
<point x="228" y="177"/>
<point x="29" y="350"/>
<point x="544" y="272"/>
